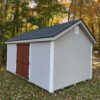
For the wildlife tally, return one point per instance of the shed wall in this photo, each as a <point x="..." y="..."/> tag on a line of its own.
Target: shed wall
<point x="72" y="59"/>
<point x="11" y="57"/>
<point x="39" y="68"/>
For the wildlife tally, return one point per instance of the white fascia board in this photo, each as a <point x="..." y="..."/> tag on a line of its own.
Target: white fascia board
<point x="51" y="78"/>
<point x="30" y="41"/>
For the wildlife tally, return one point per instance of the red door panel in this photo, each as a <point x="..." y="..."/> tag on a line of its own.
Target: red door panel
<point x="22" y="67"/>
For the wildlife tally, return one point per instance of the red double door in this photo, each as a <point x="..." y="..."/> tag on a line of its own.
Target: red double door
<point x="22" y="64"/>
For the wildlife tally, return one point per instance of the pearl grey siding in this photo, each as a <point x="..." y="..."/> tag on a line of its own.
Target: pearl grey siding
<point x="72" y="59"/>
<point x="11" y="57"/>
<point x="39" y="68"/>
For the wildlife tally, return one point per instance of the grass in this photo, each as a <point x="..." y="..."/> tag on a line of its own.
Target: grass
<point x="15" y="88"/>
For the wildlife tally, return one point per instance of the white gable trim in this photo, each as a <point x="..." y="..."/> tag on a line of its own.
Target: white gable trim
<point x="91" y="37"/>
<point x="51" y="67"/>
<point x="59" y="35"/>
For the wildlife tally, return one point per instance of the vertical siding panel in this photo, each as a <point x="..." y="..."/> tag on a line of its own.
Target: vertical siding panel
<point x="72" y="59"/>
<point x="11" y="57"/>
<point x="40" y="64"/>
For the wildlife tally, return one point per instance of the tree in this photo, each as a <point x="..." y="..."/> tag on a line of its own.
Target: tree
<point x="89" y="11"/>
<point x="2" y="19"/>
<point x="17" y="17"/>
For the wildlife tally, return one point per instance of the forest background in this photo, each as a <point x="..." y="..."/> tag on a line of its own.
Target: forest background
<point x="17" y="17"/>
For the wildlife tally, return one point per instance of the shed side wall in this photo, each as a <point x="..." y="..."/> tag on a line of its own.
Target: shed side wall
<point x="72" y="59"/>
<point x="39" y="68"/>
<point x="11" y="57"/>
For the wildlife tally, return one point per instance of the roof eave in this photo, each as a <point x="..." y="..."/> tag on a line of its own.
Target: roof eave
<point x="32" y="40"/>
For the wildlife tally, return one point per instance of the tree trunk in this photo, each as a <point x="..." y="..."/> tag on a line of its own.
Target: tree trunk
<point x="99" y="37"/>
<point x="0" y="47"/>
<point x="92" y="29"/>
<point x="3" y="3"/>
<point x="98" y="17"/>
<point x="69" y="12"/>
<point x="0" y="56"/>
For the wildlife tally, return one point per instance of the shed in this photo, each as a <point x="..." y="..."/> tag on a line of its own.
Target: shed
<point x="53" y="57"/>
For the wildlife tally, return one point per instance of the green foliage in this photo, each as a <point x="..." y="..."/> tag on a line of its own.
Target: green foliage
<point x="89" y="11"/>
<point x="18" y="14"/>
<point x="17" y="17"/>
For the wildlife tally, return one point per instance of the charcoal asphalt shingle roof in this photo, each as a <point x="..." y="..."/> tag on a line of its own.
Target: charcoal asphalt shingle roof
<point x="47" y="32"/>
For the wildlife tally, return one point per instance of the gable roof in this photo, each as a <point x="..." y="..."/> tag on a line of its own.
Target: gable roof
<point x="47" y="34"/>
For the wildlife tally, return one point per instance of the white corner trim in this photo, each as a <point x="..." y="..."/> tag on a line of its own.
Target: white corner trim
<point x="29" y="61"/>
<point x="51" y="67"/>
<point x="16" y="59"/>
<point x="91" y="63"/>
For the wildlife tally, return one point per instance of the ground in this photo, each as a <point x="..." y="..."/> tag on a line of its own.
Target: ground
<point x="15" y="88"/>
